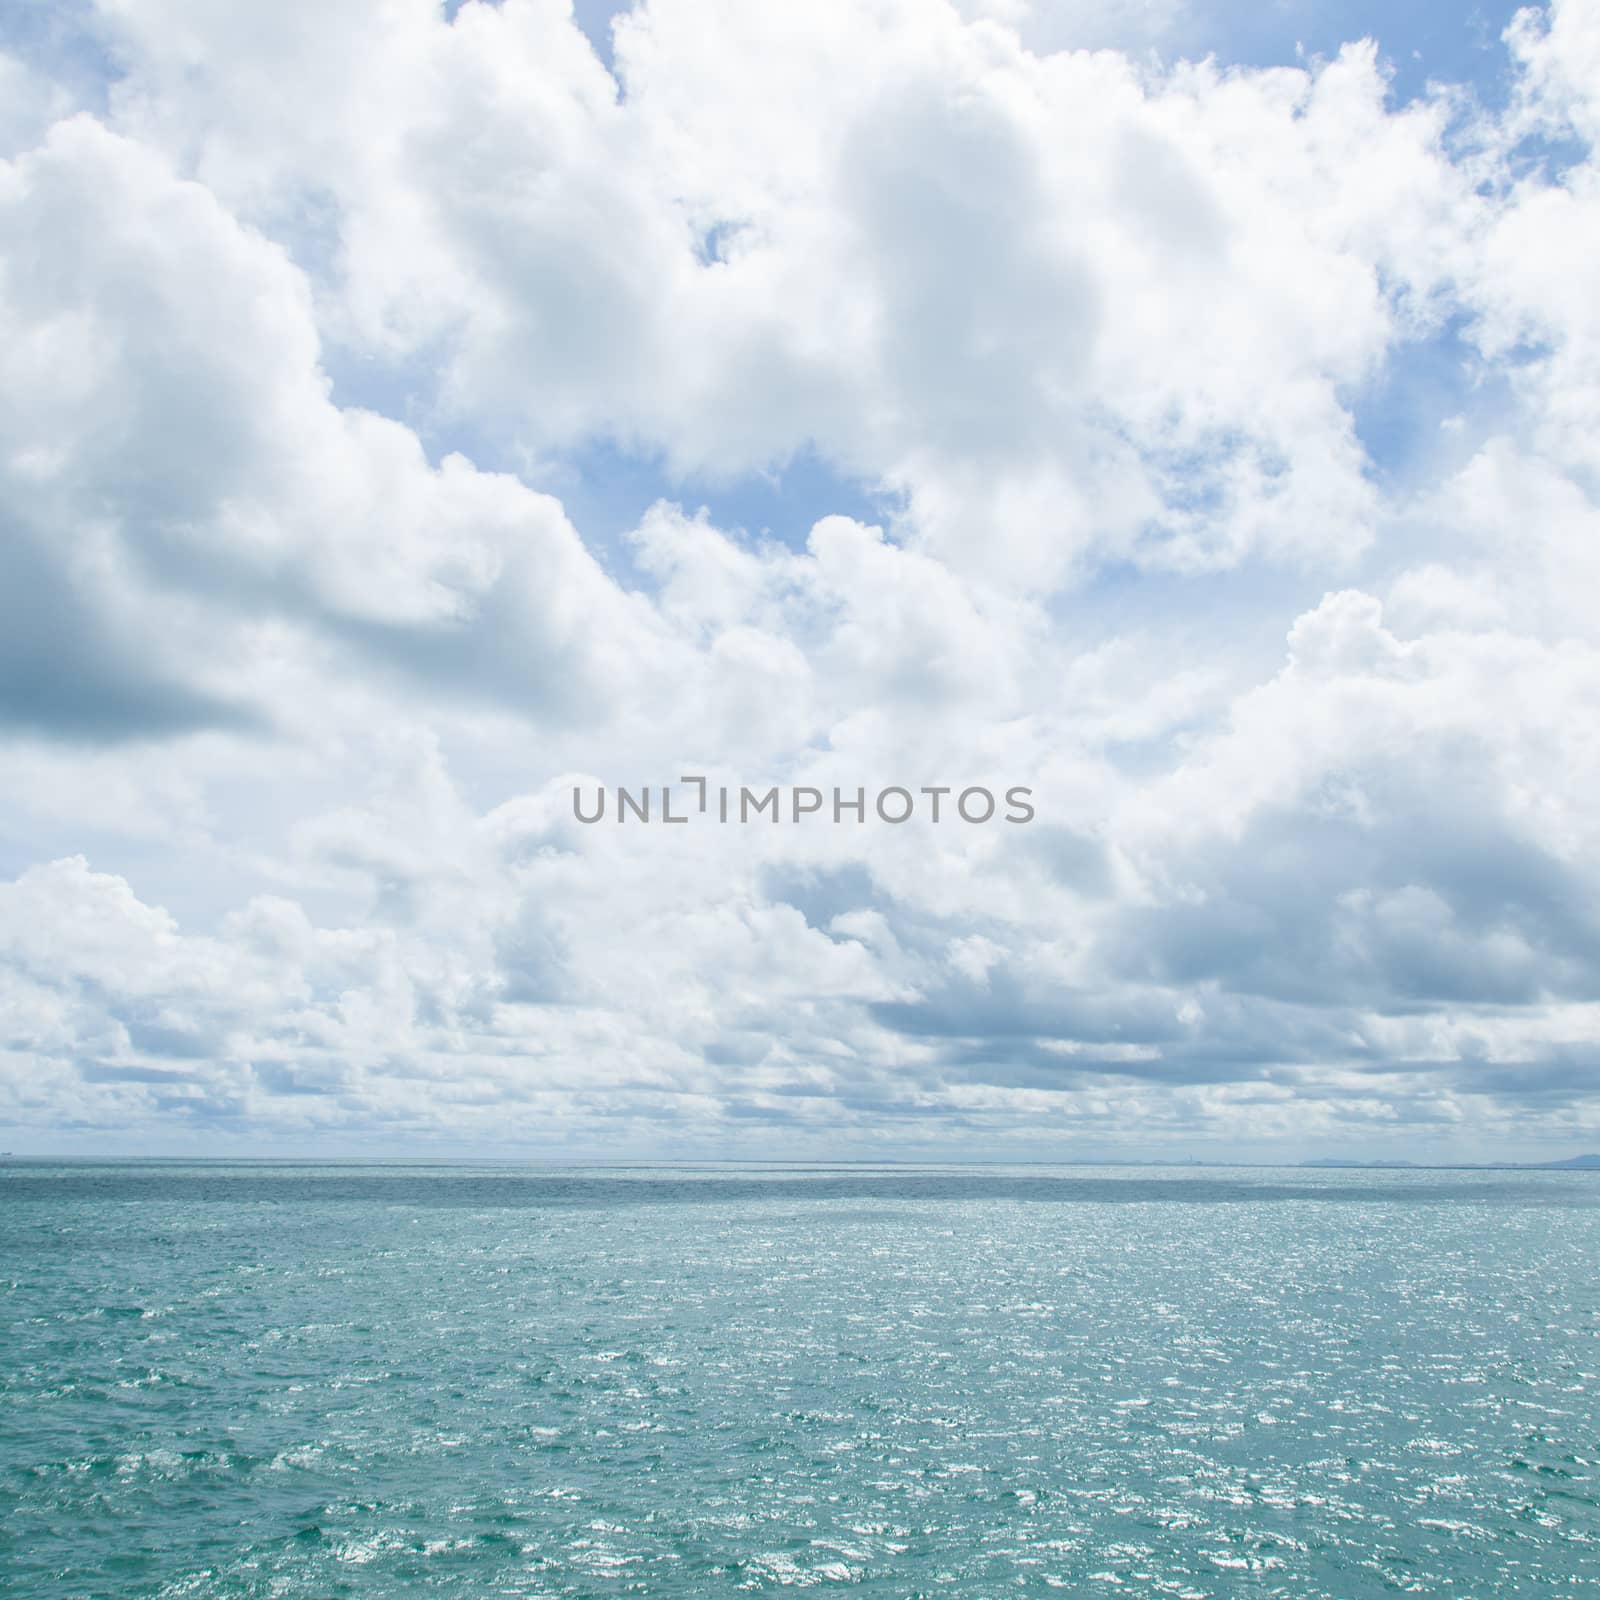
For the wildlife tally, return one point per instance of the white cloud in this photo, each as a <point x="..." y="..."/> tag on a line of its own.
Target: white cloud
<point x="293" y="700"/>
<point x="1060" y="304"/>
<point x="173" y="454"/>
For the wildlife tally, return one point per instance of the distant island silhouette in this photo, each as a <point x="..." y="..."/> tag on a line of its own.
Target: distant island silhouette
<point x="1584" y="1162"/>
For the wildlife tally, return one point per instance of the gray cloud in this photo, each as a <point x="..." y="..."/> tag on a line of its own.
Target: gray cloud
<point x="69" y="671"/>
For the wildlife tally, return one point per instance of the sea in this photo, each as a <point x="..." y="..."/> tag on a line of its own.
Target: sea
<point x="315" y="1381"/>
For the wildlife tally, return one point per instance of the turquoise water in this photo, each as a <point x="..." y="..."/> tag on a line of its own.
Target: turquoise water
<point x="452" y="1381"/>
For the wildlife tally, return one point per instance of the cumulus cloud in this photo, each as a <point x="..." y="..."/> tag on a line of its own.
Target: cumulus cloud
<point x="173" y="454"/>
<point x="1059" y="304"/>
<point x="299" y="667"/>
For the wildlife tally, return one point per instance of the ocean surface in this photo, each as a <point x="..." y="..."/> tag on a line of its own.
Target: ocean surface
<point x="395" y="1380"/>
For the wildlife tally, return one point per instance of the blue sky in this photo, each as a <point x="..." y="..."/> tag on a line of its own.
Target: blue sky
<point x="1184" y="412"/>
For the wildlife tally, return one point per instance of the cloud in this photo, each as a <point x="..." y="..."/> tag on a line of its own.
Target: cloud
<point x="294" y="690"/>
<point x="173" y="453"/>
<point x="1062" y="306"/>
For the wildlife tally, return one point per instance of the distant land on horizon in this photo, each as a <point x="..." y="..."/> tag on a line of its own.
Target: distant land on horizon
<point x="1584" y="1162"/>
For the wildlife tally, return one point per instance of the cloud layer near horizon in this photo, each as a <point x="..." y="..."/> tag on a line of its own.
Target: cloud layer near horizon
<point x="1213" y="450"/>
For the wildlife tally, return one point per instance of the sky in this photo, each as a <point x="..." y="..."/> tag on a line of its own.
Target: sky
<point x="412" y="413"/>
